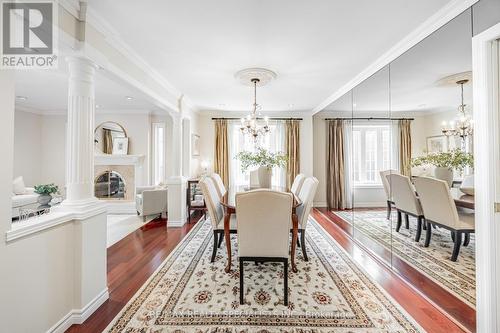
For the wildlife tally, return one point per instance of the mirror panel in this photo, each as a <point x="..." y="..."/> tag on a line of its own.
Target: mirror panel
<point x="110" y="138"/>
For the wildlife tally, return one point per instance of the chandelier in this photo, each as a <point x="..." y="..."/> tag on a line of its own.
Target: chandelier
<point x="250" y="124"/>
<point x="462" y="127"/>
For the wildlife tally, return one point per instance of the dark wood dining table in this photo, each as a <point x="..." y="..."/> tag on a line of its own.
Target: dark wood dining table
<point x="228" y="201"/>
<point x="461" y="199"/>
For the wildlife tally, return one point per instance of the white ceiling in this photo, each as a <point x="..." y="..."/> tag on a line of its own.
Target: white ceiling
<point x="315" y="46"/>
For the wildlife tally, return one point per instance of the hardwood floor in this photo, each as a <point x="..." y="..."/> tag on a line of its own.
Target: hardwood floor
<point x="132" y="260"/>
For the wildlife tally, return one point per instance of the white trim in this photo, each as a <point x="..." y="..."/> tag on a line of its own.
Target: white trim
<point x="78" y="316"/>
<point x="433" y="23"/>
<point x="487" y="159"/>
<point x="175" y="224"/>
<point x="319" y="204"/>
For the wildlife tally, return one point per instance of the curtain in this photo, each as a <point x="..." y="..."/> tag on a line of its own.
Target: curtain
<point x="348" y="164"/>
<point x="405" y="147"/>
<point x="292" y="150"/>
<point x="335" y="157"/>
<point x="221" y="151"/>
<point x="107" y="141"/>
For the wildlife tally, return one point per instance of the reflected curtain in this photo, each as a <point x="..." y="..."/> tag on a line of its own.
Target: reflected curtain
<point x="335" y="162"/>
<point x="107" y="141"/>
<point x="292" y="147"/>
<point x="405" y="147"/>
<point x="221" y="151"/>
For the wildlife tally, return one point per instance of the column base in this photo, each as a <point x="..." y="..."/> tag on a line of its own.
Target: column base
<point x="83" y="208"/>
<point x="177" y="216"/>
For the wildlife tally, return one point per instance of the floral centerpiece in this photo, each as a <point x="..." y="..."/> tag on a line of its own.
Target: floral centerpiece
<point x="264" y="160"/>
<point x="446" y="162"/>
<point x="45" y="192"/>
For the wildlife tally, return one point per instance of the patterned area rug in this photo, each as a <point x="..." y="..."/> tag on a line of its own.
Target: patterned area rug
<point x="330" y="293"/>
<point x="459" y="277"/>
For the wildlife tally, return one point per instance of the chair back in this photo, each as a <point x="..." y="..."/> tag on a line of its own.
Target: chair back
<point x="385" y="181"/>
<point x="221" y="189"/>
<point x="297" y="183"/>
<point x="212" y="200"/>
<point x="403" y="194"/>
<point x="254" y="178"/>
<point x="436" y="200"/>
<point x="306" y="195"/>
<point x="263" y="221"/>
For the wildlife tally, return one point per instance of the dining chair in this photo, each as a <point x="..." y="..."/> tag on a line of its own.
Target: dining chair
<point x="254" y="178"/>
<point x="215" y="212"/>
<point x="221" y="189"/>
<point x="440" y="209"/>
<point x="263" y="225"/>
<point x="406" y="201"/>
<point x="297" y="183"/>
<point x="387" y="189"/>
<point x="306" y="196"/>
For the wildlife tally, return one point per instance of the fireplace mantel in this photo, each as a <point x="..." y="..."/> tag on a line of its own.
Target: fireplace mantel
<point x="103" y="159"/>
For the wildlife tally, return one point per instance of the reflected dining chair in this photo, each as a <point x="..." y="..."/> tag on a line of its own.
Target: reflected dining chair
<point x="406" y="201"/>
<point x="297" y="183"/>
<point x="263" y="224"/>
<point x="306" y="196"/>
<point x="221" y="189"/>
<point x="387" y="188"/>
<point x="254" y="178"/>
<point x="440" y="209"/>
<point x="215" y="212"/>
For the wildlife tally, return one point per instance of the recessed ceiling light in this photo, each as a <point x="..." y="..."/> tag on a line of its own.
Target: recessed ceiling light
<point x="354" y="104"/>
<point x="21" y="98"/>
<point x="290" y="105"/>
<point x="97" y="106"/>
<point x="222" y="105"/>
<point x="422" y="105"/>
<point x="129" y="98"/>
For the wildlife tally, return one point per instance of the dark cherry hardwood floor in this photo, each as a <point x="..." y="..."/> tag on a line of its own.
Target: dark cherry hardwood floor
<point x="132" y="260"/>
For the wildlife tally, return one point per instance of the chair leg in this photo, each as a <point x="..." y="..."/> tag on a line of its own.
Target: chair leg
<point x="456" y="247"/>
<point x="144" y="218"/>
<point x="303" y="244"/>
<point x="389" y="208"/>
<point x="467" y="239"/>
<point x="428" y="233"/>
<point x="241" y="281"/>
<point x="285" y="282"/>
<point x="419" y="229"/>
<point x="214" y="250"/>
<point x="407" y="222"/>
<point x="424" y="226"/>
<point x="398" y="225"/>
<point x="221" y="237"/>
<point x="452" y="235"/>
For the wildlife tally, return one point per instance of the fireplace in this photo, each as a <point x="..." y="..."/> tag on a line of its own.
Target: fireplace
<point x="109" y="185"/>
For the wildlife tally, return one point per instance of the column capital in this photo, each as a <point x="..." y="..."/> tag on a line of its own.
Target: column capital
<point x="81" y="60"/>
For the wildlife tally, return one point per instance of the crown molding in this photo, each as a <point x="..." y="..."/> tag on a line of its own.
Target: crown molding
<point x="28" y="109"/>
<point x="433" y="23"/>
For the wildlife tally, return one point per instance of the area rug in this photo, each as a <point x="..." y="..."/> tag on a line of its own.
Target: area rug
<point x="459" y="277"/>
<point x="330" y="293"/>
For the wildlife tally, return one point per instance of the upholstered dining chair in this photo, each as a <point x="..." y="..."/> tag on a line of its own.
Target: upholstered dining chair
<point x="219" y="184"/>
<point x="406" y="201"/>
<point x="254" y="178"/>
<point x="306" y="195"/>
<point x="440" y="209"/>
<point x="215" y="212"/>
<point x="263" y="224"/>
<point x="387" y="188"/>
<point x="297" y="183"/>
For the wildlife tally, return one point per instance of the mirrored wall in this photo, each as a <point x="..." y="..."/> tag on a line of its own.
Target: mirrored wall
<point x="398" y="146"/>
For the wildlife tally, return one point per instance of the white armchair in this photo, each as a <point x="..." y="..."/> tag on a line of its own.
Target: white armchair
<point x="150" y="200"/>
<point x="306" y="195"/>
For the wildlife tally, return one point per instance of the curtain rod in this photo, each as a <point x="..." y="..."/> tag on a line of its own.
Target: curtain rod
<point x="371" y="118"/>
<point x="260" y="118"/>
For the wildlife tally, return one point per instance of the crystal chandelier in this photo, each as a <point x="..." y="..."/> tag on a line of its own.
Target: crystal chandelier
<point x="462" y="127"/>
<point x="250" y="124"/>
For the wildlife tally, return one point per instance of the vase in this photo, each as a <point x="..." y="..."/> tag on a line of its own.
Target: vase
<point x="445" y="174"/>
<point x="44" y="199"/>
<point x="265" y="176"/>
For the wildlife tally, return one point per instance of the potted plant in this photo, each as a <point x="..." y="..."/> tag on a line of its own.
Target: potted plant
<point x="45" y="192"/>
<point x="446" y="162"/>
<point x="263" y="159"/>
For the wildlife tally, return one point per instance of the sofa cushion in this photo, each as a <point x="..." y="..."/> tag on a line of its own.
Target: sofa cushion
<point x="23" y="200"/>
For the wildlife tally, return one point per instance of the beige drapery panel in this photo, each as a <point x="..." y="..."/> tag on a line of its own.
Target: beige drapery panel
<point x="107" y="141"/>
<point x="335" y="155"/>
<point x="405" y="147"/>
<point x="292" y="147"/>
<point x="221" y="151"/>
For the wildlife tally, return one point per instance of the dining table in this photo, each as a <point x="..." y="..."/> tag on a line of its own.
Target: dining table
<point x="462" y="199"/>
<point x="228" y="202"/>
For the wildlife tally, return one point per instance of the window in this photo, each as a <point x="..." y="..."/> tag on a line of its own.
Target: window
<point x="158" y="153"/>
<point x="371" y="153"/>
<point x="274" y="141"/>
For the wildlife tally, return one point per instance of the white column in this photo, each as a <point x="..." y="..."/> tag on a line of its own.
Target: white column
<point x="176" y="183"/>
<point x="80" y="133"/>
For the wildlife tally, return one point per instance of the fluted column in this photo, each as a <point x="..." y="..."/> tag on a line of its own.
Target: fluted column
<point x="80" y="132"/>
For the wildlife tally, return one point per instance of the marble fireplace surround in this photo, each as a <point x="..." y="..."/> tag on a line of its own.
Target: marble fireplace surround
<point x="130" y="167"/>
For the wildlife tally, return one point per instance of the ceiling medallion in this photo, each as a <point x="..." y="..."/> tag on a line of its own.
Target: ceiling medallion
<point x="264" y="76"/>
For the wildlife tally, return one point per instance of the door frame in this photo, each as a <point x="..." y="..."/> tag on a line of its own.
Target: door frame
<point x="485" y="64"/>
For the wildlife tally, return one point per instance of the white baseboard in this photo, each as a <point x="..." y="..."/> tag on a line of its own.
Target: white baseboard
<point x="78" y="316"/>
<point x="319" y="204"/>
<point x="172" y="223"/>
<point x="370" y="204"/>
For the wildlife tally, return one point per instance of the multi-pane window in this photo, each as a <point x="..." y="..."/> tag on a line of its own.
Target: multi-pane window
<point x="371" y="153"/>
